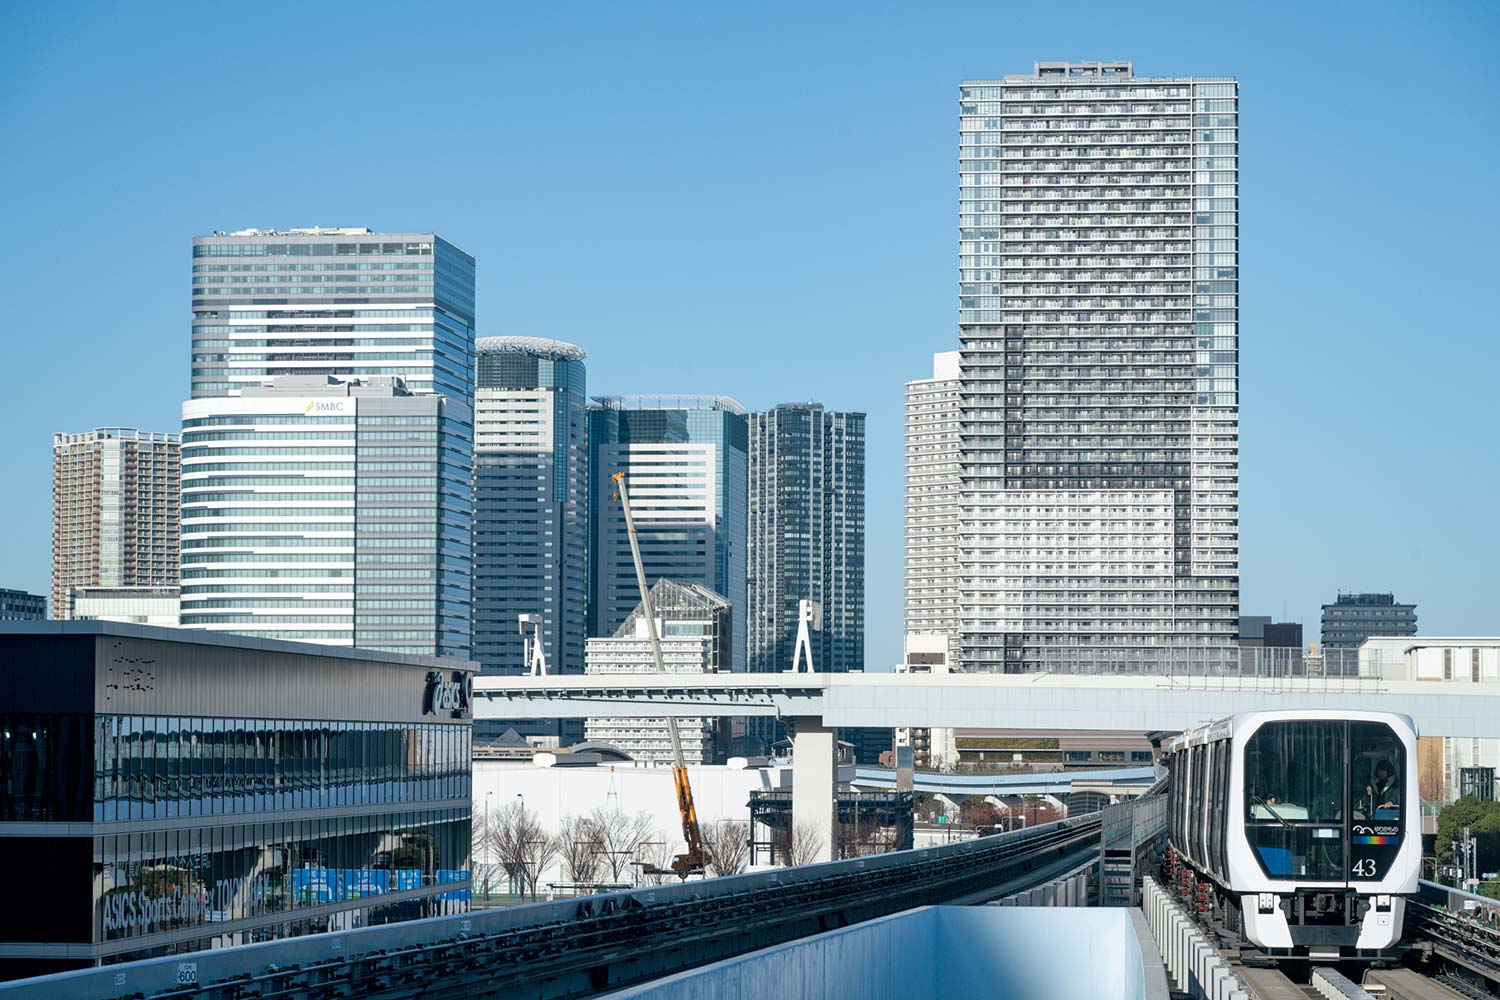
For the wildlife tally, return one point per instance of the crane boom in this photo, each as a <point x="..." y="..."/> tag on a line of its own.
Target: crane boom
<point x="691" y="862"/>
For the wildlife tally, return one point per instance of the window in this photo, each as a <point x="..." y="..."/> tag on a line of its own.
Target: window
<point x="1447" y="664"/>
<point x="1474" y="664"/>
<point x="1323" y="799"/>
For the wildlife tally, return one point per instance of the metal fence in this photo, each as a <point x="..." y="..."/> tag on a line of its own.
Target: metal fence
<point x="1219" y="666"/>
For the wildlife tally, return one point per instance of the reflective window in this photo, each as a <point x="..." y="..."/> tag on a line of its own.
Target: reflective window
<point x="1323" y="799"/>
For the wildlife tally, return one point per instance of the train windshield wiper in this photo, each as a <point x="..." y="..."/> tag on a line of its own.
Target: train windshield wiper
<point x="1272" y="810"/>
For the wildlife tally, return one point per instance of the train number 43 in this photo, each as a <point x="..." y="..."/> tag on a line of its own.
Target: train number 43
<point x="1364" y="868"/>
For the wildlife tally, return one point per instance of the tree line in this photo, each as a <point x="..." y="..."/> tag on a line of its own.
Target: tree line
<point x="603" y="849"/>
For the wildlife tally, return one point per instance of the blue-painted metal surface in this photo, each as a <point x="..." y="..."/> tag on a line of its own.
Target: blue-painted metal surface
<point x="1037" y="783"/>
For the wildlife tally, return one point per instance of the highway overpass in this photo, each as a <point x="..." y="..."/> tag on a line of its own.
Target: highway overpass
<point x="1133" y="702"/>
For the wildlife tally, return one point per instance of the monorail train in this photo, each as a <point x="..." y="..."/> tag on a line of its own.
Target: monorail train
<point x="1298" y="833"/>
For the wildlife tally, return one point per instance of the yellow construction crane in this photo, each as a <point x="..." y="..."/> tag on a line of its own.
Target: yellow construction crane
<point x="691" y="862"/>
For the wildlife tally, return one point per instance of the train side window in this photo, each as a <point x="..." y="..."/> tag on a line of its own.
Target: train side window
<point x="1208" y="804"/>
<point x="1199" y="812"/>
<point x="1221" y="803"/>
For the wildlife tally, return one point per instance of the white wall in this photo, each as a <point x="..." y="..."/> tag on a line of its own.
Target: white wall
<point x="553" y="793"/>
<point x="1021" y="953"/>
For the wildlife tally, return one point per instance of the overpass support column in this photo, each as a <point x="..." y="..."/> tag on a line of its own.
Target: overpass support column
<point x="815" y="787"/>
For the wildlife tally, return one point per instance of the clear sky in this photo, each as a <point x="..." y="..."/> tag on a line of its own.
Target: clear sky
<point x="761" y="201"/>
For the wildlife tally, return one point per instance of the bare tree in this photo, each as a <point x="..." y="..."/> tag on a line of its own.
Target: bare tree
<point x="727" y="844"/>
<point x="581" y="849"/>
<point x="806" y="845"/>
<point x="485" y="855"/>
<point x="796" y="845"/>
<point x="654" y="860"/>
<point x="619" y="838"/>
<point x="523" y="846"/>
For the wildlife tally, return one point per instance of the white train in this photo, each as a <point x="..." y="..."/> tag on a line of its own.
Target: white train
<point x="1298" y="832"/>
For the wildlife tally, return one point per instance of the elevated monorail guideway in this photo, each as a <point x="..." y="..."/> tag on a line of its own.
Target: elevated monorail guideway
<point x="592" y="944"/>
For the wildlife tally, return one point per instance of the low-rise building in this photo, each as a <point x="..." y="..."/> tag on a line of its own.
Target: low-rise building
<point x="141" y="605"/>
<point x="693" y="623"/>
<point x="1441" y="760"/>
<point x="1259" y="631"/>
<point x="932" y="749"/>
<point x="172" y="790"/>
<point x="21" y="606"/>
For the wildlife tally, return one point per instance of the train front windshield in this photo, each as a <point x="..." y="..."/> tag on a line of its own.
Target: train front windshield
<point x="1323" y="799"/>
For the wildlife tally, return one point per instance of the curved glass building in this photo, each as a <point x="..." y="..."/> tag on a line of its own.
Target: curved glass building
<point x="531" y="512"/>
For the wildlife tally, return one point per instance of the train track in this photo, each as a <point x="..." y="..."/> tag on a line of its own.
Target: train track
<point x="606" y="942"/>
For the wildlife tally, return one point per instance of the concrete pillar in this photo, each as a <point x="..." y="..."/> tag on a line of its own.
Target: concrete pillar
<point x="814" y="786"/>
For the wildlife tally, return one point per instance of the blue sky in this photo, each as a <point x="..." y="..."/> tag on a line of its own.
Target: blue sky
<point x="762" y="202"/>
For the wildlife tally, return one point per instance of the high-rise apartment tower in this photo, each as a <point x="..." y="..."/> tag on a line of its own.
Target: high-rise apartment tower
<point x="1099" y="367"/>
<point x="932" y="452"/>
<point x="114" y="510"/>
<point x="1098" y="333"/>
<point x="807" y="534"/>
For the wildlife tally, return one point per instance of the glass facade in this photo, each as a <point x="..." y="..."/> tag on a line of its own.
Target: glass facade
<point x="210" y="827"/>
<point x="531" y="511"/>
<point x="171" y="880"/>
<point x="358" y="524"/>
<point x="1324" y="799"/>
<point x="349" y="303"/>
<point x="1099" y="338"/>
<point x="686" y="460"/>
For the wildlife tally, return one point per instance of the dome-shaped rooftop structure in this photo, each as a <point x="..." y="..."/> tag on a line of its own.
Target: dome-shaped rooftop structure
<point x="537" y="347"/>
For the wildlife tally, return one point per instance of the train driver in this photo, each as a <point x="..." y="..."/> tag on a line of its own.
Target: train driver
<point x="1383" y="792"/>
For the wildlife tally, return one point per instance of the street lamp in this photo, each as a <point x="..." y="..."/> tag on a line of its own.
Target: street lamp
<point x="489" y="839"/>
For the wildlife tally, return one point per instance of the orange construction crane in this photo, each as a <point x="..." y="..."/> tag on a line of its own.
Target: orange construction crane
<point x="691" y="862"/>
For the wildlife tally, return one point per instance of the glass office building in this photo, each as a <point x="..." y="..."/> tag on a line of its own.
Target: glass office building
<point x="329" y="511"/>
<point x="167" y="790"/>
<point x="1099" y="339"/>
<point x="346" y="302"/>
<point x="530" y="512"/>
<point x="685" y="462"/>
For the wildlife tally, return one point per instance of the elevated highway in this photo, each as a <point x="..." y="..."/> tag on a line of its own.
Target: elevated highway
<point x="1133" y="702"/>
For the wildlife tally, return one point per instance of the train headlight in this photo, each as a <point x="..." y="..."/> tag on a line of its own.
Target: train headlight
<point x="1382" y="904"/>
<point x="1266" y="902"/>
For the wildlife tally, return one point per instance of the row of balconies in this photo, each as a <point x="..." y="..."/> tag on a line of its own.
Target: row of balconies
<point x="1033" y="124"/>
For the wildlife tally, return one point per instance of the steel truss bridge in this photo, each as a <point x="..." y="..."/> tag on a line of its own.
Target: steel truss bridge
<point x="592" y="944"/>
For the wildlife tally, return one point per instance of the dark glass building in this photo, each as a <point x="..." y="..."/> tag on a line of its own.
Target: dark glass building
<point x="1353" y="618"/>
<point x="19" y="605"/>
<point x="171" y="790"/>
<point x="530" y="514"/>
